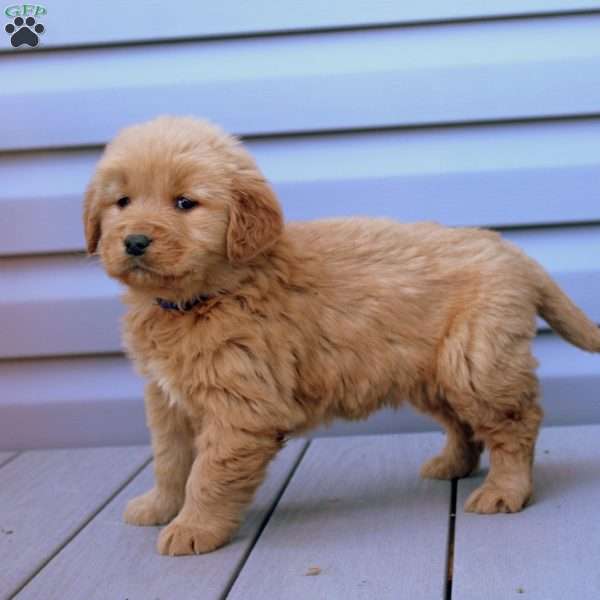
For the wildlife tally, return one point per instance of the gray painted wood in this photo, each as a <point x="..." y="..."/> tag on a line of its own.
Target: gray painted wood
<point x="357" y="510"/>
<point x="404" y="76"/>
<point x="46" y="496"/>
<point x="110" y="559"/>
<point x="118" y="22"/>
<point x="550" y="551"/>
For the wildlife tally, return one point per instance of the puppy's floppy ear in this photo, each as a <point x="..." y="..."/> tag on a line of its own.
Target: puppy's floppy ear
<point x="255" y="221"/>
<point x="91" y="218"/>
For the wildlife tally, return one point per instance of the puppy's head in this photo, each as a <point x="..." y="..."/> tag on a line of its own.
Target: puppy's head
<point x="174" y="198"/>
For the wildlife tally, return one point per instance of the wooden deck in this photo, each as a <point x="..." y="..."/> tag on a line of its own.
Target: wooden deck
<point x="337" y="518"/>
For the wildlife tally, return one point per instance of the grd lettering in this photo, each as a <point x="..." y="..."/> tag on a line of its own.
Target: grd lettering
<point x="25" y="10"/>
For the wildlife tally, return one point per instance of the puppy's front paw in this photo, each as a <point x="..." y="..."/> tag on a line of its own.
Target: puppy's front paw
<point x="151" y="509"/>
<point x="490" y="499"/>
<point x="180" y="538"/>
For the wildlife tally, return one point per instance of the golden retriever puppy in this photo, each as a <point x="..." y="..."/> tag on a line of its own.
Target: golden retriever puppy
<point x="249" y="330"/>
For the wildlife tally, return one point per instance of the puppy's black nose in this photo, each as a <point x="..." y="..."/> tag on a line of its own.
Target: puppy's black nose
<point x="136" y="244"/>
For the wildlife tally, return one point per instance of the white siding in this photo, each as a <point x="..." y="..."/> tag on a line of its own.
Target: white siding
<point x="75" y="23"/>
<point x="469" y="113"/>
<point x="391" y="77"/>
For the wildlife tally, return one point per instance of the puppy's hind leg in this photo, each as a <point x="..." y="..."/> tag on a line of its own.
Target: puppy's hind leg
<point x="460" y="456"/>
<point x="172" y="445"/>
<point x="500" y="404"/>
<point x="511" y="441"/>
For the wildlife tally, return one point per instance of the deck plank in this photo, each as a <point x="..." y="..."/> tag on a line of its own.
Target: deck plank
<point x="109" y="559"/>
<point x="357" y="510"/>
<point x="46" y="496"/>
<point x="549" y="551"/>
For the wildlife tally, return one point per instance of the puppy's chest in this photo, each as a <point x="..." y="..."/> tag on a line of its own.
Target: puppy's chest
<point x="172" y="353"/>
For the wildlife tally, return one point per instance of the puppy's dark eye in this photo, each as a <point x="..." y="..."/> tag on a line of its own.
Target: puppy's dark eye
<point x="183" y="203"/>
<point x="123" y="202"/>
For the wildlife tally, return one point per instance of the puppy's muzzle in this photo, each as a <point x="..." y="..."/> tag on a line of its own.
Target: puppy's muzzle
<point x="136" y="245"/>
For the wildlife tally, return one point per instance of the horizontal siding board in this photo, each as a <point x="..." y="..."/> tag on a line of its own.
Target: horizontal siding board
<point x="117" y="22"/>
<point x="502" y="175"/>
<point x="394" y="77"/>
<point x="67" y="305"/>
<point x="485" y="198"/>
<point x="98" y="400"/>
<point x="64" y="327"/>
<point x="70" y="402"/>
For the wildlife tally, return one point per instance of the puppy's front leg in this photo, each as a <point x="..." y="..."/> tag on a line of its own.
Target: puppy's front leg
<point x="229" y="467"/>
<point x="172" y="445"/>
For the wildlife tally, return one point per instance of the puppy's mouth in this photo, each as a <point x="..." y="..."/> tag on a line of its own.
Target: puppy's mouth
<point x="138" y="266"/>
<point x="138" y="272"/>
<point x="134" y="269"/>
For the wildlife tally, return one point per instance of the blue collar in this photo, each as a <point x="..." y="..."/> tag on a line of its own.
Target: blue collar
<point x="183" y="306"/>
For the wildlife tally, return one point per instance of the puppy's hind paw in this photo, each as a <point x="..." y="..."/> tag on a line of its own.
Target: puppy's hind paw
<point x="444" y="467"/>
<point x="151" y="509"/>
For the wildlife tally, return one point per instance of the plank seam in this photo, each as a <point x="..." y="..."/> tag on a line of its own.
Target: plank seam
<point x="264" y="523"/>
<point x="537" y="226"/>
<point x="408" y="127"/>
<point x="316" y="30"/>
<point x="79" y="529"/>
<point x="340" y="131"/>
<point x="451" y="538"/>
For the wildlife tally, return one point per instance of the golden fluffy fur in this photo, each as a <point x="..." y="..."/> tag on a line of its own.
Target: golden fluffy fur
<point x="307" y="323"/>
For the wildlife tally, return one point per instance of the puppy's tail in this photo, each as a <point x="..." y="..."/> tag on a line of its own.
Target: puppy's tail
<point x="561" y="313"/>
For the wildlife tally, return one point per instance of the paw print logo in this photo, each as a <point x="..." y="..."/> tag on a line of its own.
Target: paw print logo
<point x="24" y="32"/>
